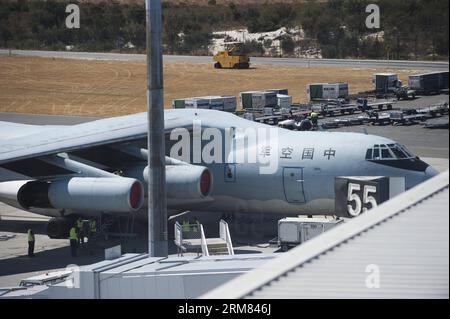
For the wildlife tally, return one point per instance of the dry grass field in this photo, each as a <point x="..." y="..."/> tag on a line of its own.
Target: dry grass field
<point x="108" y="88"/>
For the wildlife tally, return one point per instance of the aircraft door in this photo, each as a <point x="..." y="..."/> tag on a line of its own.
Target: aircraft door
<point x="293" y="185"/>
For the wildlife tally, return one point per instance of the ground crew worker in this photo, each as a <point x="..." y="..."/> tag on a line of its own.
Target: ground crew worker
<point x="186" y="226"/>
<point x="92" y="228"/>
<point x="30" y="243"/>
<point x="314" y="119"/>
<point x="80" y="229"/>
<point x="196" y="225"/>
<point x="73" y="241"/>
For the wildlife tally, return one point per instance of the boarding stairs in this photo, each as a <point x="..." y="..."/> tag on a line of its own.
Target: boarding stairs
<point x="191" y="238"/>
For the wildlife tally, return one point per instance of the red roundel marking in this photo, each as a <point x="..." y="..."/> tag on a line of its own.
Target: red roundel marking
<point x="135" y="195"/>
<point x="205" y="182"/>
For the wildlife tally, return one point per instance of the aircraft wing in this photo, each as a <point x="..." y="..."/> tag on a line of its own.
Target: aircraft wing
<point x="77" y="137"/>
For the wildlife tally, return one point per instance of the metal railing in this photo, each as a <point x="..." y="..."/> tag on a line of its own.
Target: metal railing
<point x="205" y="250"/>
<point x="224" y="232"/>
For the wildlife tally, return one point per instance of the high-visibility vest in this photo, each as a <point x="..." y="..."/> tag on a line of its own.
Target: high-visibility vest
<point x="93" y="226"/>
<point x="196" y="226"/>
<point x="80" y="224"/>
<point x="186" y="226"/>
<point x="73" y="234"/>
<point x="30" y="236"/>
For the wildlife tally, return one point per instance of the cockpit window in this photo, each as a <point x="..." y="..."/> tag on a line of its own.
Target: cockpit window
<point x="388" y="152"/>
<point x="385" y="153"/>
<point x="376" y="153"/>
<point x="399" y="153"/>
<point x="408" y="153"/>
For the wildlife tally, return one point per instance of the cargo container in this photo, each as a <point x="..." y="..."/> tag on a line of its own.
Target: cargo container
<point x="429" y="83"/>
<point x="196" y="103"/>
<point x="246" y="99"/>
<point x="215" y="102"/>
<point x="385" y="82"/>
<point x="279" y="91"/>
<point x="258" y="100"/>
<point x="443" y="80"/>
<point x="229" y="103"/>
<point x="327" y="91"/>
<point x="284" y="101"/>
<point x="178" y="104"/>
<point x="293" y="231"/>
<point x="220" y="103"/>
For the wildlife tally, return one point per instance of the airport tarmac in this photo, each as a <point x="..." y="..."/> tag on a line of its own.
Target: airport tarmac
<point x="421" y="141"/>
<point x="54" y="254"/>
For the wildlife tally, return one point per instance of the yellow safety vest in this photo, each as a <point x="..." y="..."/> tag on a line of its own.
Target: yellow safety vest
<point x="93" y="226"/>
<point x="196" y="226"/>
<point x="186" y="226"/>
<point x="79" y="224"/>
<point x="30" y="236"/>
<point x="73" y="234"/>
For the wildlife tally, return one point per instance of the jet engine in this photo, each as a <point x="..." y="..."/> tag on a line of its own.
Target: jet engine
<point x="183" y="182"/>
<point x="59" y="227"/>
<point x="186" y="181"/>
<point x="114" y="195"/>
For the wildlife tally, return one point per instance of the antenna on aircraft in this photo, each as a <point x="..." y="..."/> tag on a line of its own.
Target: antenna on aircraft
<point x="157" y="200"/>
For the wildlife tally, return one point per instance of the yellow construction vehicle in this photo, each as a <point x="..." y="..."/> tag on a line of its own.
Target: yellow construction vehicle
<point x="232" y="57"/>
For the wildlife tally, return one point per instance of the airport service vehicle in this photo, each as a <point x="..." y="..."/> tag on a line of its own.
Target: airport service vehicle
<point x="293" y="231"/>
<point x="405" y="93"/>
<point x="429" y="83"/>
<point x="215" y="162"/>
<point x="406" y="117"/>
<point x="232" y="57"/>
<point x="365" y="104"/>
<point x="435" y="110"/>
<point x="334" y="109"/>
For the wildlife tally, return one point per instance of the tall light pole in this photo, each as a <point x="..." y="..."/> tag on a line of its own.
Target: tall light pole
<point x="157" y="202"/>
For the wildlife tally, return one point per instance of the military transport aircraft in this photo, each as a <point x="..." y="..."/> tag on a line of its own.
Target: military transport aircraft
<point x="215" y="162"/>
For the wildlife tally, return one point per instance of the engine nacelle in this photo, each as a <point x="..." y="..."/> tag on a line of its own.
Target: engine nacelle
<point x="59" y="227"/>
<point x="115" y="195"/>
<point x="186" y="181"/>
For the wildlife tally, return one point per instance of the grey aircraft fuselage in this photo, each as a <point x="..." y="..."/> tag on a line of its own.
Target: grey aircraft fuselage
<point x="307" y="165"/>
<point x="301" y="180"/>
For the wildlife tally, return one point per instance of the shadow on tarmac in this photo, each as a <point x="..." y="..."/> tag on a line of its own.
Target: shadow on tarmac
<point x="22" y="226"/>
<point x="48" y="259"/>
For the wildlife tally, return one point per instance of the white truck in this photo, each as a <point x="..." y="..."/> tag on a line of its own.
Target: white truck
<point x="293" y="231"/>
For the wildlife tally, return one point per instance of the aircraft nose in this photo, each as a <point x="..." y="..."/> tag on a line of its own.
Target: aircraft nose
<point x="430" y="172"/>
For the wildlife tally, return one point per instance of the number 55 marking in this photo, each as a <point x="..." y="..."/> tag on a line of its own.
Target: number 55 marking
<point x="369" y="199"/>
<point x="353" y="197"/>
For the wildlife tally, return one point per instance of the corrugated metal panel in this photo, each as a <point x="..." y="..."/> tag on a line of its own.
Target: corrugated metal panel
<point x="411" y="252"/>
<point x="403" y="244"/>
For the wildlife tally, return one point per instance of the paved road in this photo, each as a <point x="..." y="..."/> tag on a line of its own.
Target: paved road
<point x="422" y="65"/>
